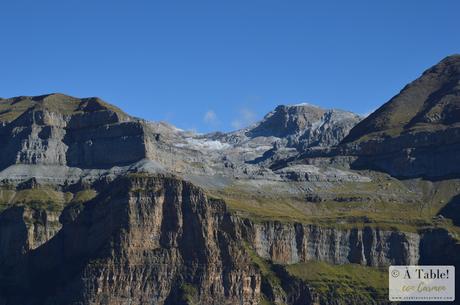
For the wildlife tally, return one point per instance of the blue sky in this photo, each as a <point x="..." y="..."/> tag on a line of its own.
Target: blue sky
<point x="219" y="65"/>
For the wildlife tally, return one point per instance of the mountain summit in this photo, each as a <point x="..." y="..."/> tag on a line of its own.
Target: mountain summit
<point x="430" y="102"/>
<point x="98" y="207"/>
<point x="305" y="125"/>
<point x="417" y="132"/>
<point x="43" y="133"/>
<point x="287" y="120"/>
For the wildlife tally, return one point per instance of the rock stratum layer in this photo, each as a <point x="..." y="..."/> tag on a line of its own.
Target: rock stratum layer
<point x="145" y="240"/>
<point x="306" y="206"/>
<point x="160" y="240"/>
<point x="61" y="130"/>
<point x="296" y="243"/>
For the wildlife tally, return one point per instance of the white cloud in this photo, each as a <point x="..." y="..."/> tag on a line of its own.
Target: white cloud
<point x="210" y="117"/>
<point x="237" y="124"/>
<point x="246" y="117"/>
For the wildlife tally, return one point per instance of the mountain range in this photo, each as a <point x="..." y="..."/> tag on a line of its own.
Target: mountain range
<point x="306" y="206"/>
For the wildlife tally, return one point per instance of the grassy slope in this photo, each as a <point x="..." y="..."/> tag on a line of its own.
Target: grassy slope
<point x="268" y="275"/>
<point x="43" y="197"/>
<point x="10" y="109"/>
<point x="339" y="282"/>
<point x="343" y="281"/>
<point x="385" y="202"/>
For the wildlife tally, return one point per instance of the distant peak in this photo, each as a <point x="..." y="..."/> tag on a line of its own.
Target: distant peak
<point x="56" y="95"/>
<point x="431" y="101"/>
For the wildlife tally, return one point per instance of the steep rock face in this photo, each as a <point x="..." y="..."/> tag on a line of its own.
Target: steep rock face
<point x="13" y="236"/>
<point x="305" y="125"/>
<point x="432" y="155"/>
<point x="287" y="120"/>
<point x="23" y="229"/>
<point x="59" y="139"/>
<point x="332" y="127"/>
<point x="416" y="133"/>
<point x="60" y="130"/>
<point x="294" y="243"/>
<point x="311" y="173"/>
<point x="438" y="247"/>
<point x="144" y="240"/>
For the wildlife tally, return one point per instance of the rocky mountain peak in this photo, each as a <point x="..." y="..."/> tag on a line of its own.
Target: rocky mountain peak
<point x="99" y="209"/>
<point x="417" y="132"/>
<point x="305" y="125"/>
<point x="287" y="120"/>
<point x="72" y="133"/>
<point x="430" y="102"/>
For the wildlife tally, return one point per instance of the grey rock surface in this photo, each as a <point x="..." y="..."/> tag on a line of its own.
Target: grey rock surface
<point x="59" y="139"/>
<point x="294" y="243"/>
<point x="23" y="229"/>
<point x="144" y="240"/>
<point x="151" y="237"/>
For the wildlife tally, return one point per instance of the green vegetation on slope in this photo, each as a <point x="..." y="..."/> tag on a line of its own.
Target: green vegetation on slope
<point x="385" y="202"/>
<point x="11" y="109"/>
<point x="269" y="277"/>
<point x="84" y="195"/>
<point x="349" y="284"/>
<point x="43" y="198"/>
<point x="342" y="282"/>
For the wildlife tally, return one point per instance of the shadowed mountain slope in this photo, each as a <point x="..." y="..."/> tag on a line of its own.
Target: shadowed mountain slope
<point x="429" y="103"/>
<point x="416" y="133"/>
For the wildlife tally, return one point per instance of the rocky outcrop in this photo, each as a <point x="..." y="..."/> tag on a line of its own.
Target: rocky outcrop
<point x="144" y="240"/>
<point x="289" y="243"/>
<point x="286" y="244"/>
<point x="158" y="239"/>
<point x="433" y="155"/>
<point x="23" y="229"/>
<point x="76" y="138"/>
<point x="14" y="236"/>
<point x="79" y="135"/>
<point x="287" y="120"/>
<point x="311" y="173"/>
<point x="304" y="125"/>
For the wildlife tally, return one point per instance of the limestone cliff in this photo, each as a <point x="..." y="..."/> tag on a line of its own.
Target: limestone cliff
<point x="295" y="201"/>
<point x="160" y="240"/>
<point x="290" y="243"/>
<point x="143" y="240"/>
<point x="23" y="229"/>
<point x="64" y="131"/>
<point x="304" y="125"/>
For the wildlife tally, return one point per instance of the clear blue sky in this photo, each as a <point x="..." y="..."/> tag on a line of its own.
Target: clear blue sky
<point x="216" y="65"/>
